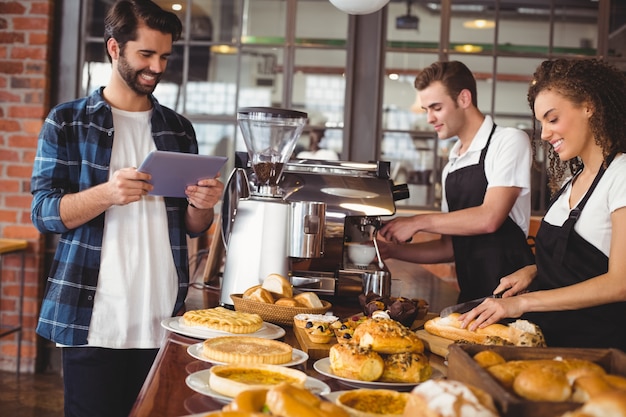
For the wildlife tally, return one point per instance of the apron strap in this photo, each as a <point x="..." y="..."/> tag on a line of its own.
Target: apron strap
<point x="574" y="214"/>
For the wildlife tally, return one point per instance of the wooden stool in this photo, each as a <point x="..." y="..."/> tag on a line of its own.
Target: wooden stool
<point x="9" y="246"/>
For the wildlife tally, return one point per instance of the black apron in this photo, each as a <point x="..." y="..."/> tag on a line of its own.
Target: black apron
<point x="564" y="258"/>
<point x="481" y="260"/>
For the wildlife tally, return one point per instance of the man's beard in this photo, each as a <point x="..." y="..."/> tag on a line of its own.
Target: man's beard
<point x="131" y="76"/>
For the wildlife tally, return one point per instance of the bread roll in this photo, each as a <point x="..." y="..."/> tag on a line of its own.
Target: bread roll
<point x="406" y="367"/>
<point x="278" y="285"/>
<point x="251" y="400"/>
<point x="258" y="293"/>
<point x="607" y="404"/>
<point x="518" y="333"/>
<point x="616" y="381"/>
<point x="288" y="302"/>
<point x="387" y="336"/>
<point x="309" y="299"/>
<point x="542" y="383"/>
<point x="487" y="358"/>
<point x="354" y="362"/>
<point x="448" y="398"/>
<point x="588" y="386"/>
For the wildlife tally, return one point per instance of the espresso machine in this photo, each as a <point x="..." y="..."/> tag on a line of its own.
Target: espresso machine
<point x="295" y="217"/>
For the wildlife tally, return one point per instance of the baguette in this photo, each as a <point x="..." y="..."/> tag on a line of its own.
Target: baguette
<point x="518" y="333"/>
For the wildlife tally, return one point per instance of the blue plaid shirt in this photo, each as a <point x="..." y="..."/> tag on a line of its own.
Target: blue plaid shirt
<point x="73" y="154"/>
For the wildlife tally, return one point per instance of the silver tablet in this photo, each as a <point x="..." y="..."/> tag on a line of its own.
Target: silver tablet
<point x="172" y="172"/>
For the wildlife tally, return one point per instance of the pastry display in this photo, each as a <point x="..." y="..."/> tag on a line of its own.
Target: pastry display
<point x="223" y="319"/>
<point x="246" y="349"/>
<point x="387" y="336"/>
<point x="448" y="398"/>
<point x="373" y="402"/>
<point x="284" y="400"/>
<point x="518" y="333"/>
<point x="380" y="349"/>
<point x="230" y="380"/>
<point x="559" y="379"/>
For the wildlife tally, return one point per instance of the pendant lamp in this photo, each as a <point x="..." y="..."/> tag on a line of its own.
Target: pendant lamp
<point x="359" y="6"/>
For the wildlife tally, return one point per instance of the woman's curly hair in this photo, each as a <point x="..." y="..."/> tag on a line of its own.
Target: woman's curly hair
<point x="589" y="82"/>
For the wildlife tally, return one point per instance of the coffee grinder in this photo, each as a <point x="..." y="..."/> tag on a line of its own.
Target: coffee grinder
<point x="255" y="216"/>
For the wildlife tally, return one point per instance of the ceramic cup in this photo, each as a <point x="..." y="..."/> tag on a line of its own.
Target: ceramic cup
<point x="361" y="254"/>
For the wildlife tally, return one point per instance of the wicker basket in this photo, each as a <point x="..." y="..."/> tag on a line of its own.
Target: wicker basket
<point x="273" y="313"/>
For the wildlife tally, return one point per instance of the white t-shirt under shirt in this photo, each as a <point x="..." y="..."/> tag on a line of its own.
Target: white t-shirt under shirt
<point x="138" y="282"/>
<point x="507" y="164"/>
<point x="594" y="223"/>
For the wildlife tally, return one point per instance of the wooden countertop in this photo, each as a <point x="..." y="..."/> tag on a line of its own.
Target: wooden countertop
<point x="165" y="393"/>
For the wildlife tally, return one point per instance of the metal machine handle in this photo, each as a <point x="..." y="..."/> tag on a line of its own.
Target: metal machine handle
<point x="400" y="192"/>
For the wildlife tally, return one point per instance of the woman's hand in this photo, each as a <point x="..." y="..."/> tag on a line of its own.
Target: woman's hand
<point x="517" y="282"/>
<point x="491" y="311"/>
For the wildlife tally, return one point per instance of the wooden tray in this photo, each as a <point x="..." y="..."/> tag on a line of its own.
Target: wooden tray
<point x="314" y="350"/>
<point x="462" y="367"/>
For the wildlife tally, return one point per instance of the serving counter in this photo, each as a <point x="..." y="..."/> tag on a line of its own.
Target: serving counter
<point x="165" y="393"/>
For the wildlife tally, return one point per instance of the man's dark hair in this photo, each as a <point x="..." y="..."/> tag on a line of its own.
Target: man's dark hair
<point x="454" y="76"/>
<point x="125" y="16"/>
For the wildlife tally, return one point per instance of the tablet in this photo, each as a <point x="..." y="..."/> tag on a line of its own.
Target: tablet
<point x="172" y="172"/>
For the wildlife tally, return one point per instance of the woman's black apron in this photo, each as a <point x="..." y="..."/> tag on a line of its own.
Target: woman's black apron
<point x="564" y="258"/>
<point x="481" y="260"/>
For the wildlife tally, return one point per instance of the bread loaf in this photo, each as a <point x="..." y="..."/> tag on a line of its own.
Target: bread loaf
<point x="278" y="285"/>
<point x="258" y="293"/>
<point x="518" y="333"/>
<point x="309" y="299"/>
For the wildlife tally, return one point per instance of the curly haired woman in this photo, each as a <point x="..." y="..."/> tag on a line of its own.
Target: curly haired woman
<point x="576" y="292"/>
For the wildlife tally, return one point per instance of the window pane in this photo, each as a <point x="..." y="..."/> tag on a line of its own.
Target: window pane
<point x="265" y="21"/>
<point x="216" y="92"/>
<point x="217" y="139"/>
<point x="309" y="31"/>
<point x="260" y="81"/>
<point x="415" y="26"/>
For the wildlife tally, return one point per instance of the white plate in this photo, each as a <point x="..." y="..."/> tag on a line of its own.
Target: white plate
<point x="199" y="382"/>
<point x="323" y="367"/>
<point x="297" y="357"/>
<point x="175" y="324"/>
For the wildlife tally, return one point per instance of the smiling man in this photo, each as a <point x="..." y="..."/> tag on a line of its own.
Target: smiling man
<point x="121" y="265"/>
<point x="486" y="189"/>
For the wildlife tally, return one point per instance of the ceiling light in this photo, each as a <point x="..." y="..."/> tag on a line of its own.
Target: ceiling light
<point x="177" y="7"/>
<point x="359" y="6"/>
<point x="223" y="49"/>
<point x="468" y="48"/>
<point x="479" y="24"/>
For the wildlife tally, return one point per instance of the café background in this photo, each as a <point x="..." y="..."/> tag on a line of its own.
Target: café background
<point x="353" y="74"/>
